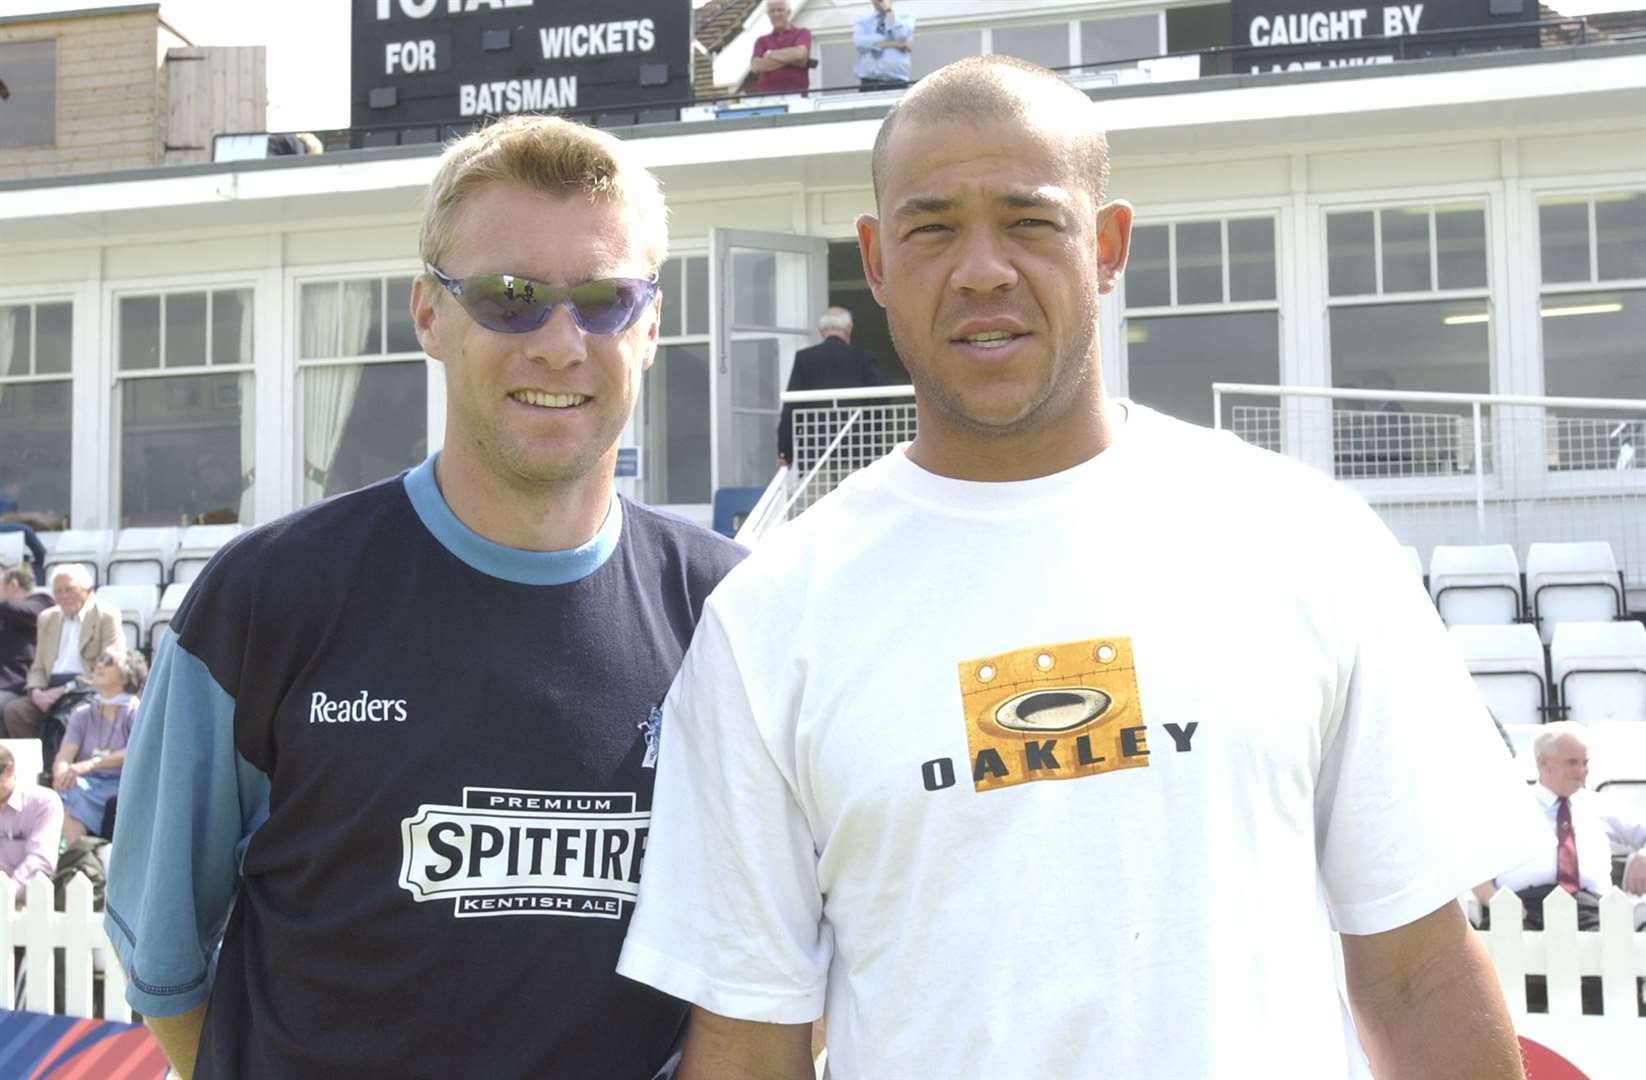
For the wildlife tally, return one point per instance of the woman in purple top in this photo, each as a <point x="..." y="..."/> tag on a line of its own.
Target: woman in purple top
<point x="87" y="768"/>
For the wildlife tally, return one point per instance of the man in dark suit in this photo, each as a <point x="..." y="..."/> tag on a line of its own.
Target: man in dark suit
<point x="20" y="608"/>
<point x="834" y="362"/>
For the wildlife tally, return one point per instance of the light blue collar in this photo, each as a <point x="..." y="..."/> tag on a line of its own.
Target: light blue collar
<point x="510" y="564"/>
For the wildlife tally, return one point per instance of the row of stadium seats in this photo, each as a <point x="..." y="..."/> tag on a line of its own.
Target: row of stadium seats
<point x="1593" y="672"/>
<point x="148" y="556"/>
<point x="145" y="610"/>
<point x="1484" y="585"/>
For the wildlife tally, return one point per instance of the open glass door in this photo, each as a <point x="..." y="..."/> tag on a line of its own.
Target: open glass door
<point x="766" y="292"/>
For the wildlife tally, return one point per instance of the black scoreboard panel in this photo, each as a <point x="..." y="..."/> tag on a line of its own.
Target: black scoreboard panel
<point x="1290" y="35"/>
<point x="422" y="68"/>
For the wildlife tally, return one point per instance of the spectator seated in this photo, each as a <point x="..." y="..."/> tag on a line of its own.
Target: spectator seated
<point x="1572" y="583"/>
<point x="1599" y="671"/>
<point x="1507" y="665"/>
<point x="1476" y="585"/>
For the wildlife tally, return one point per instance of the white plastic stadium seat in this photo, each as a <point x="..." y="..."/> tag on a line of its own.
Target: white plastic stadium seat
<point x="1521" y="737"/>
<point x="11" y="549"/>
<point x="136" y="604"/>
<point x="88" y="546"/>
<point x="1599" y="670"/>
<point x="140" y="556"/>
<point x="1572" y="583"/>
<point x="1475" y="585"/>
<point x="170" y="601"/>
<point x="1507" y="665"/>
<point x="1617" y="765"/>
<point x="196" y="547"/>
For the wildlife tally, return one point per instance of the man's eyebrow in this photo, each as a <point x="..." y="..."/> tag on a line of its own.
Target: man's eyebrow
<point x="1040" y="199"/>
<point x="923" y="204"/>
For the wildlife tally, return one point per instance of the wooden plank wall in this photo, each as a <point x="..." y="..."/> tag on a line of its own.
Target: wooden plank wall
<point x="108" y="95"/>
<point x="212" y="91"/>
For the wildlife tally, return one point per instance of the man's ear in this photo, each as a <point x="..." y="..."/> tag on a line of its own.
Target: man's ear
<point x="649" y="346"/>
<point x="1114" y="242"/>
<point x="425" y="296"/>
<point x="868" y="243"/>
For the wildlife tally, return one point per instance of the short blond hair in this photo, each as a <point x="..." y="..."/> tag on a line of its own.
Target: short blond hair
<point x="549" y="156"/>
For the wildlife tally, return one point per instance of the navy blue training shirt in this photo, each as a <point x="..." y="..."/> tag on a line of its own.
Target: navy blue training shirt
<point x="418" y="768"/>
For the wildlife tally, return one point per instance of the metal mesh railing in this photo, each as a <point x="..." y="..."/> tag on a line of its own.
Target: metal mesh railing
<point x="1471" y="469"/>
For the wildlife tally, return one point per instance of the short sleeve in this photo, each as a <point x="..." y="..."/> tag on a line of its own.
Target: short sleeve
<point x="762" y="45"/>
<point x="74" y="730"/>
<point x="1417" y="798"/>
<point x="730" y="911"/>
<point x="803" y="37"/>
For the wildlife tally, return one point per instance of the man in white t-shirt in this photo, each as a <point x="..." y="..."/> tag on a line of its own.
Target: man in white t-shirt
<point x="1056" y="744"/>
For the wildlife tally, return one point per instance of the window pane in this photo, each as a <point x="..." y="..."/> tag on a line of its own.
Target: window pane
<point x="28" y="114"/>
<point x="185" y="449"/>
<point x="361" y="423"/>
<point x="1563" y="234"/>
<point x="668" y="279"/>
<point x="1408" y="347"/>
<point x="15" y="340"/>
<point x="35" y="429"/>
<point x="1046" y="44"/>
<point x="1252" y="259"/>
<point x="1200" y="263"/>
<point x="1194" y="28"/>
<point x="317" y="307"/>
<point x="677" y="425"/>
<point x="1147" y="283"/>
<point x="402" y="329"/>
<point x="1594" y="345"/>
<point x="1350" y="270"/>
<point x="754" y="375"/>
<point x="54" y="339"/>
<point x="1460" y="246"/>
<point x="1620" y="236"/>
<point x="1172" y="361"/>
<point x="1406" y="250"/>
<point x="932" y="51"/>
<point x="754" y="288"/>
<point x="185" y="323"/>
<point x="363" y="317"/>
<point x="231" y="326"/>
<point x="1126" y="38"/>
<point x="756" y="454"/>
<point x="139" y="332"/>
<point x="697" y="294"/>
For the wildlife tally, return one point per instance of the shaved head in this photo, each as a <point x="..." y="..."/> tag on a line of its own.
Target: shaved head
<point x="981" y="89"/>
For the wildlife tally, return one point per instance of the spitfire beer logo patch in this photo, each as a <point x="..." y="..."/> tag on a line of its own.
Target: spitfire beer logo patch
<point x="1053" y="712"/>
<point x="508" y="852"/>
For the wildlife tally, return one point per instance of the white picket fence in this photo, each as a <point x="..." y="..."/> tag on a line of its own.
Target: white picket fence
<point x="38" y="930"/>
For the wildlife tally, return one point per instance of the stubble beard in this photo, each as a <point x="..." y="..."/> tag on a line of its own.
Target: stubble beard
<point x="506" y="457"/>
<point x="1068" y="377"/>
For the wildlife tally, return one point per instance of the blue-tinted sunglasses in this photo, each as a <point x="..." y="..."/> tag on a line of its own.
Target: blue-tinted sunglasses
<point x="515" y="305"/>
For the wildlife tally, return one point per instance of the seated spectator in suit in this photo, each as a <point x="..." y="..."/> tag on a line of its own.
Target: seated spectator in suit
<point x="1584" y="827"/>
<point x="834" y="362"/>
<point x="31" y="825"/>
<point x="71" y="635"/>
<point x="87" y="768"/>
<point x="20" y="608"/>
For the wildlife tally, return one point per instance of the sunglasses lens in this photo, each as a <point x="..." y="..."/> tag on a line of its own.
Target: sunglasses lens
<point x="605" y="307"/>
<point x="507" y="304"/>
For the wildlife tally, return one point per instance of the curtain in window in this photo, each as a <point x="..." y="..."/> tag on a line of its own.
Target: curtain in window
<point x="8" y="342"/>
<point x="339" y="326"/>
<point x="248" y="419"/>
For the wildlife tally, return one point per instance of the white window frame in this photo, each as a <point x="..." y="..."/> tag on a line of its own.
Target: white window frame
<point x="113" y="293"/>
<point x="1533" y="193"/>
<point x="291" y="487"/>
<point x="33" y="297"/>
<point x="635" y="433"/>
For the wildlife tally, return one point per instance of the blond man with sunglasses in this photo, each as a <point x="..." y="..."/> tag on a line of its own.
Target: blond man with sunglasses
<point x="408" y="734"/>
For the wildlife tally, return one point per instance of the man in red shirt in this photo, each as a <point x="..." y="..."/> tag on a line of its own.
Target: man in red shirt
<point x="781" y="58"/>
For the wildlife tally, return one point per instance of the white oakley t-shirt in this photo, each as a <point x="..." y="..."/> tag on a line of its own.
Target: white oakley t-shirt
<point x="1067" y="778"/>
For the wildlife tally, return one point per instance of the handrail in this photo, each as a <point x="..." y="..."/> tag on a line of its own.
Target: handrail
<point x="847" y="393"/>
<point x="1219" y="388"/>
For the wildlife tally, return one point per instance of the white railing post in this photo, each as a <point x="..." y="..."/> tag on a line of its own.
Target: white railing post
<point x="1508" y="943"/>
<point x="1617" y="948"/>
<point x="1480" y="476"/>
<point x="1560" y="948"/>
<point x="36" y="926"/>
<point x="77" y="939"/>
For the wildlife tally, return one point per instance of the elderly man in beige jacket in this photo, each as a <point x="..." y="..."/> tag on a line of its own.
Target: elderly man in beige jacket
<point x="71" y="635"/>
